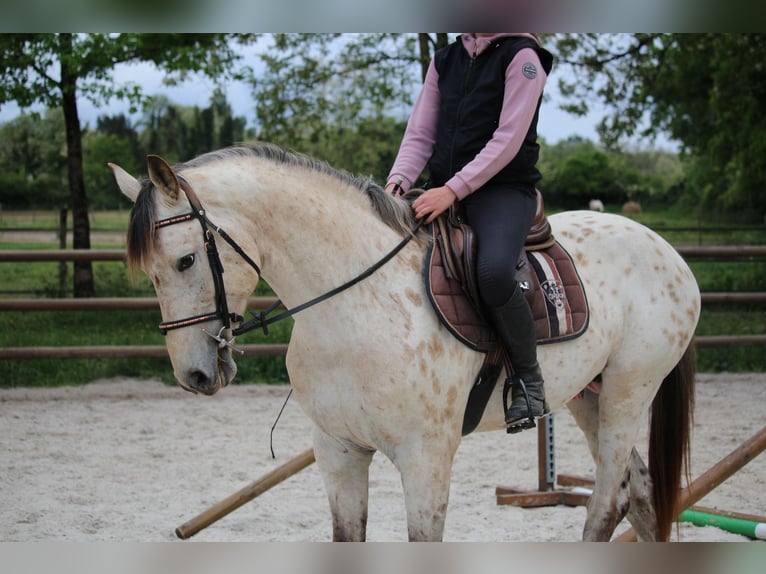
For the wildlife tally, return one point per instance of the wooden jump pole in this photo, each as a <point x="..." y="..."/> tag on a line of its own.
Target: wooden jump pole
<point x="245" y="495"/>
<point x="726" y="467"/>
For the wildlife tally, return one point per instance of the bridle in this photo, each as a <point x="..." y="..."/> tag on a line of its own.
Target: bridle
<point x="216" y="267"/>
<point x="259" y="320"/>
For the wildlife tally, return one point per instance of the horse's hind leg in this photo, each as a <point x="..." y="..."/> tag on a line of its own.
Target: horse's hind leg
<point x="585" y="413"/>
<point x="622" y="403"/>
<point x="641" y="513"/>
<point x="345" y="472"/>
<point x="610" y="424"/>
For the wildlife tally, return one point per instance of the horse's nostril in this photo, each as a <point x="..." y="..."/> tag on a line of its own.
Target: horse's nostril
<point x="199" y="380"/>
<point x="202" y="383"/>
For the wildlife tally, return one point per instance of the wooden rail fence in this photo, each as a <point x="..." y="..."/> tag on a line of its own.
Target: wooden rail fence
<point x="688" y="252"/>
<point x="148" y="303"/>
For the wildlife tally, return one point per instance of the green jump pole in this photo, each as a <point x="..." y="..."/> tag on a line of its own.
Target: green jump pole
<point x="756" y="530"/>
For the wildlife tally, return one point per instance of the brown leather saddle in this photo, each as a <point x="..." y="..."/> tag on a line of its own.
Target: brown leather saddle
<point x="545" y="270"/>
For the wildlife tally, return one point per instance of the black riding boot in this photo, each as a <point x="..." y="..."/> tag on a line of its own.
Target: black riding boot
<point x="516" y="329"/>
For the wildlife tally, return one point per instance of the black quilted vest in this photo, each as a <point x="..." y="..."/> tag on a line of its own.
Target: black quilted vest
<point x="471" y="100"/>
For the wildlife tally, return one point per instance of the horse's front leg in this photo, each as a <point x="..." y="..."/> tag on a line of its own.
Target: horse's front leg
<point x="426" y="472"/>
<point x="345" y="472"/>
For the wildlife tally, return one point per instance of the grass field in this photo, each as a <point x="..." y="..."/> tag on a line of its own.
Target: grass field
<point x="140" y="327"/>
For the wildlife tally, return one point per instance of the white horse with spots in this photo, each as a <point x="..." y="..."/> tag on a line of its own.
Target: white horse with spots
<point x="372" y="366"/>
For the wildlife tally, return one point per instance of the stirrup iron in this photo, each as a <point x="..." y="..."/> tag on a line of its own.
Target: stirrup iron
<point x="523" y="424"/>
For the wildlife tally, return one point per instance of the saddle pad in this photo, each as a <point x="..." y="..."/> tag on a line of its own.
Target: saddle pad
<point x="556" y="297"/>
<point x="558" y="301"/>
<point x="453" y="307"/>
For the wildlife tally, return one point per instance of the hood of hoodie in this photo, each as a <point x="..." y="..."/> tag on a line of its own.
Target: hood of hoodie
<point x="477" y="44"/>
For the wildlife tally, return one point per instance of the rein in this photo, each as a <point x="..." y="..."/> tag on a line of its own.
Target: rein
<point x="262" y="321"/>
<point x="259" y="320"/>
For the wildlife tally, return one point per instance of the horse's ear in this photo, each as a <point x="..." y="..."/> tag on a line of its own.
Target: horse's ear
<point x="163" y="177"/>
<point x="128" y="184"/>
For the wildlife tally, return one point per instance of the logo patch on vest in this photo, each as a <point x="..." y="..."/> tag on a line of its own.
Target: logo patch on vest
<point x="529" y="70"/>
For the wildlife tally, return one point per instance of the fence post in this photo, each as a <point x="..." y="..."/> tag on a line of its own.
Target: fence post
<point x="62" y="245"/>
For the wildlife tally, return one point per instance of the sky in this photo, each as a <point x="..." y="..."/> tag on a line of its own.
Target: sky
<point x="554" y="124"/>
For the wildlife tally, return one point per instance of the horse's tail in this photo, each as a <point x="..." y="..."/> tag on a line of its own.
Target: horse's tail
<point x="672" y="418"/>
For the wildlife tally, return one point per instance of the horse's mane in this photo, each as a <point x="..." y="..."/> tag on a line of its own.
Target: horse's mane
<point x="394" y="212"/>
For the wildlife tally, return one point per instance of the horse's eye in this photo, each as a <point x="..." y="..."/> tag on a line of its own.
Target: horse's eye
<point x="185" y="262"/>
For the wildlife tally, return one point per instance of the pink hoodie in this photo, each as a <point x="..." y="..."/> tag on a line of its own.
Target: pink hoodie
<point x="519" y="105"/>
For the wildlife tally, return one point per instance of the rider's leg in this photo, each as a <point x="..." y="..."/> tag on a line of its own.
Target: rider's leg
<point x="516" y="329"/>
<point x="501" y="217"/>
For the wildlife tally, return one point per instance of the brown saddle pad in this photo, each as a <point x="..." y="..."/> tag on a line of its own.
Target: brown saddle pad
<point x="554" y="291"/>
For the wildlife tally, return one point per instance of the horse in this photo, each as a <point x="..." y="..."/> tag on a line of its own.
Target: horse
<point x="370" y="363"/>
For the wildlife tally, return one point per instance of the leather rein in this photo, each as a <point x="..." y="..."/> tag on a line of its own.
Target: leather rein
<point x="259" y="320"/>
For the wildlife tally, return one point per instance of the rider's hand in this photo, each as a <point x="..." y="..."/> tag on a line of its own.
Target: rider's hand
<point x="395" y="188"/>
<point x="433" y="203"/>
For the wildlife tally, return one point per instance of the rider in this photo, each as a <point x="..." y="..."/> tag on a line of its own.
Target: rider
<point x="475" y="125"/>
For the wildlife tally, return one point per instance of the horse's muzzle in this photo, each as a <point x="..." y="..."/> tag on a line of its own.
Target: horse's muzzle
<point x="199" y="382"/>
<point x="209" y="383"/>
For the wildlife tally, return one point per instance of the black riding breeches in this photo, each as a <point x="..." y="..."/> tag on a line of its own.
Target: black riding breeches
<point x="501" y="217"/>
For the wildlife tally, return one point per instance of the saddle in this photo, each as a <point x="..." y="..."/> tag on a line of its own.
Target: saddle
<point x="545" y="271"/>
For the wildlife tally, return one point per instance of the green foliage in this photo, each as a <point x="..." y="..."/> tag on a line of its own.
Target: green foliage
<point x="314" y="92"/>
<point x="112" y="328"/>
<point x="732" y="320"/>
<point x="730" y="276"/>
<point x="32" y="162"/>
<point x="29" y="63"/>
<point x="15" y="190"/>
<point x="582" y="177"/>
<point x="368" y="148"/>
<point x="180" y="133"/>
<point x="99" y="149"/>
<point x="576" y="171"/>
<point x="319" y="82"/>
<point x="53" y="69"/>
<point x="32" y="166"/>
<point x="707" y="91"/>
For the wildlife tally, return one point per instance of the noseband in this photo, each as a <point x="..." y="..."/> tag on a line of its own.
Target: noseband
<point x="260" y="320"/>
<point x="216" y="267"/>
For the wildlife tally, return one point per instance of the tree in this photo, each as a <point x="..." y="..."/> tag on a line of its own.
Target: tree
<point x="583" y="176"/>
<point x="315" y="82"/>
<point x="99" y="148"/>
<point x="121" y="127"/>
<point x="368" y="148"/>
<point x="707" y="91"/>
<point x="32" y="161"/>
<point x="182" y="132"/>
<point x="577" y="170"/>
<point x="53" y="69"/>
<point x="429" y="45"/>
<point x="344" y="98"/>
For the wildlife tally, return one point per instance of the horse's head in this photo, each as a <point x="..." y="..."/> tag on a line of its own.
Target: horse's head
<point x="171" y="240"/>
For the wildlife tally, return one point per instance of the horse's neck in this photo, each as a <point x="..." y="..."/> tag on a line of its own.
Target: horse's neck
<point x="313" y="232"/>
